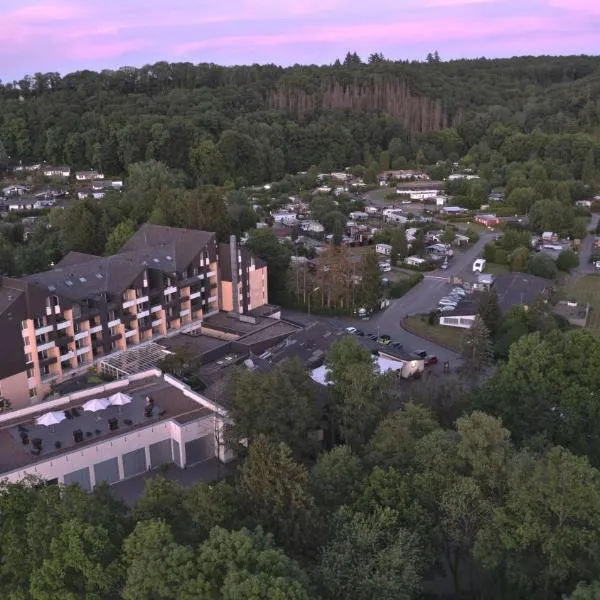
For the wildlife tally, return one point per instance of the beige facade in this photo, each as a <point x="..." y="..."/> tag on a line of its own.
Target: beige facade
<point x="71" y="332"/>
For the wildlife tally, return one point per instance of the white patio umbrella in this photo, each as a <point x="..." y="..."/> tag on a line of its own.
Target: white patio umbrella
<point x="96" y="404"/>
<point x="119" y="399"/>
<point x="50" y="418"/>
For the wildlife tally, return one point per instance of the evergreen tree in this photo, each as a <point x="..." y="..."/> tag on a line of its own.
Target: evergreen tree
<point x="477" y="349"/>
<point x="371" y="287"/>
<point x="399" y="245"/>
<point x="489" y="310"/>
<point x="588" y="170"/>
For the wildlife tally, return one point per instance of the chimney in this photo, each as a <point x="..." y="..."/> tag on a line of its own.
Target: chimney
<point x="233" y="255"/>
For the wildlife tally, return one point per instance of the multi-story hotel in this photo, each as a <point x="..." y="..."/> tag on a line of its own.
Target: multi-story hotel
<point x="55" y="323"/>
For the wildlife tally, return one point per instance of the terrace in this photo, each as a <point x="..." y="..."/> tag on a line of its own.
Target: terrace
<point x="24" y="443"/>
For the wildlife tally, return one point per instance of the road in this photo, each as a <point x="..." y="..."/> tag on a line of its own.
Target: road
<point x="585" y="251"/>
<point x="420" y="299"/>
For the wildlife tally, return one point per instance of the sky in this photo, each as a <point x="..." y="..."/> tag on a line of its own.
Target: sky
<point x="71" y="35"/>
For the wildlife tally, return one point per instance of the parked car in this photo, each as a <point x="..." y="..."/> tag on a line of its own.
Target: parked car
<point x="351" y="330"/>
<point x="460" y="291"/>
<point x="421" y="353"/>
<point x="359" y="332"/>
<point x="372" y="336"/>
<point x="384" y="339"/>
<point x="431" y="360"/>
<point x="397" y="345"/>
<point x="446" y="308"/>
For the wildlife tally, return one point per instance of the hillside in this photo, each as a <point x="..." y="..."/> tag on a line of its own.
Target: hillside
<point x="255" y="123"/>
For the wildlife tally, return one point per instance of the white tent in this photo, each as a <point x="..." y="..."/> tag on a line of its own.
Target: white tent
<point x="119" y="399"/>
<point x="51" y="418"/>
<point x="96" y="404"/>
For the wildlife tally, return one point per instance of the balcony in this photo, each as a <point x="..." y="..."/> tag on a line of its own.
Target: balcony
<point x="81" y="335"/>
<point x="49" y="377"/>
<point x="83" y="350"/>
<point x="170" y="290"/>
<point x="195" y="295"/>
<point x="67" y="356"/>
<point x="131" y="333"/>
<point x="114" y="323"/>
<point x="212" y="299"/>
<point x="142" y="299"/>
<point x="44" y="330"/>
<point x="156" y="323"/>
<point x="211" y="274"/>
<point x="127" y="317"/>
<point x="63" y="325"/>
<point x="46" y="346"/>
<point x="143" y="314"/>
<point x="184" y="312"/>
<point x="128" y="304"/>
<point x="63" y="340"/>
<point x="49" y="310"/>
<point x="156" y="308"/>
<point x="96" y="329"/>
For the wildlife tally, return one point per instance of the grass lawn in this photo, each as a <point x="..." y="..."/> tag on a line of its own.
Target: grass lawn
<point x="446" y="336"/>
<point x="494" y="268"/>
<point x="586" y="289"/>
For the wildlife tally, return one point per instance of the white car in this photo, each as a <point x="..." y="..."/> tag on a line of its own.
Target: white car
<point x="479" y="265"/>
<point x="459" y="291"/>
<point x="446" y="308"/>
<point x="351" y="330"/>
<point x="448" y="302"/>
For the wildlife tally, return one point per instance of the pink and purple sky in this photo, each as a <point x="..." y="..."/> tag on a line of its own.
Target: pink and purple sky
<point x="69" y="35"/>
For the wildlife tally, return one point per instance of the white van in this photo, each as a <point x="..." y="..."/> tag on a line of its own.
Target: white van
<point x="479" y="265"/>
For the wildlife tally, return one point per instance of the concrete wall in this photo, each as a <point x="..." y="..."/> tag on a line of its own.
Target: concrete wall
<point x="14" y="388"/>
<point x="258" y="287"/>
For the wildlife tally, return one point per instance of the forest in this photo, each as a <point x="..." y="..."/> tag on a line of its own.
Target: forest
<point x="440" y="492"/>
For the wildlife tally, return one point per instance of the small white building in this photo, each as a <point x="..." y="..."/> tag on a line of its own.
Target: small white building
<point x="312" y="226"/>
<point x="385" y="249"/>
<point x="414" y="261"/>
<point x="285" y="218"/>
<point x="420" y="195"/>
<point x="459" y="176"/>
<point x="358" y="215"/>
<point x="58" y="171"/>
<point x="14" y="190"/>
<point x="88" y="175"/>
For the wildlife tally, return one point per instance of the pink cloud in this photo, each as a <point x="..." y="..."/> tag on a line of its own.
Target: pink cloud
<point x="405" y="31"/>
<point x="45" y="12"/>
<point x="99" y="50"/>
<point x="589" y="6"/>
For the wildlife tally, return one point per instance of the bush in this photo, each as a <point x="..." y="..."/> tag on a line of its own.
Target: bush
<point x="400" y="288"/>
<point x="542" y="265"/>
<point x="567" y="260"/>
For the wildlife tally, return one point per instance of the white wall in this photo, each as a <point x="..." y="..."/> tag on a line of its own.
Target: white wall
<point x="463" y="322"/>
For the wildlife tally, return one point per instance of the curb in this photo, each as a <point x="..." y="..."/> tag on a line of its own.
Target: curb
<point x="426" y="338"/>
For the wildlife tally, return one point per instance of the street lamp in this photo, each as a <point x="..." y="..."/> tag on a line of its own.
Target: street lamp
<point x="309" y="297"/>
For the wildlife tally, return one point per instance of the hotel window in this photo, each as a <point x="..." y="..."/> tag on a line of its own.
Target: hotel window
<point x="23" y="324"/>
<point x="32" y="392"/>
<point x="39" y="322"/>
<point x="28" y="357"/>
<point x="26" y="341"/>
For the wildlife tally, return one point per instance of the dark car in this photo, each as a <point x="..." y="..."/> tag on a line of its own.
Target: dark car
<point x="431" y="360"/>
<point x="372" y="336"/>
<point x="397" y="345"/>
<point x="421" y="353"/>
<point x="359" y="332"/>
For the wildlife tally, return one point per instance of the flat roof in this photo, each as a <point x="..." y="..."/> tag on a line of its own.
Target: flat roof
<point x="169" y="403"/>
<point x="275" y="330"/>
<point x="196" y="344"/>
<point x="230" y="323"/>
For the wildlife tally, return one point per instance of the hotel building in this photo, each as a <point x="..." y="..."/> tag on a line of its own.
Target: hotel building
<point x="164" y="280"/>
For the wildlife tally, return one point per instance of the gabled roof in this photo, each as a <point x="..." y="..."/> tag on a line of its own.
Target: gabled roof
<point x="516" y="288"/>
<point x="168" y="249"/>
<point x="83" y="276"/>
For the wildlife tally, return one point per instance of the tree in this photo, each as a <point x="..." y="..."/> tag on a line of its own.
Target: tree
<point x="477" y="348"/>
<point x="518" y="258"/>
<point x="399" y="245"/>
<point x="371" y="289"/>
<point x="551" y="215"/>
<point x="162" y="499"/>
<point x="448" y="235"/>
<point x="245" y="565"/>
<point x="567" y="260"/>
<point x="80" y="227"/>
<point x="370" y="557"/>
<point x="81" y="563"/>
<point x="394" y="439"/>
<point x="547" y="390"/>
<point x="264" y="244"/>
<point x="336" y="478"/>
<point x="546" y="536"/>
<point x="280" y="405"/>
<point x="542" y="265"/>
<point x="273" y="489"/>
<point x="418" y="244"/>
<point x="156" y="565"/>
<point x="118" y="236"/>
<point x="210" y="505"/>
<point x="343" y="355"/>
<point x="589" y="173"/>
<point x="586" y="591"/>
<point x="489" y="310"/>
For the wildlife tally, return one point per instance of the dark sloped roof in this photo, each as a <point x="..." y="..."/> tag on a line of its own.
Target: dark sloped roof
<point x="89" y="278"/>
<point x="169" y="249"/>
<point x="517" y="288"/>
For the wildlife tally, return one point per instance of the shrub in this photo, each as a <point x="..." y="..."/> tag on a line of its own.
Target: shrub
<point x="567" y="260"/>
<point x="542" y="265"/>
<point x="399" y="288"/>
